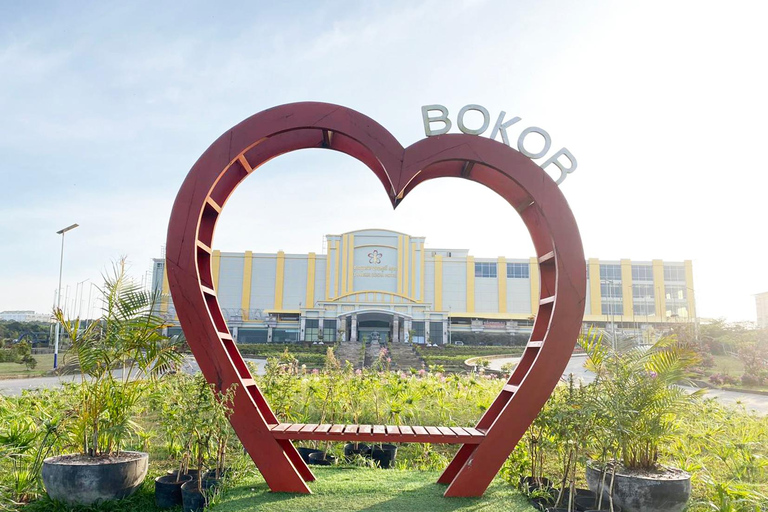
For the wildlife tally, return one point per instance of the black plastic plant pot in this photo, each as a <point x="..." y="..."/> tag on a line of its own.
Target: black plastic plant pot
<point x="351" y="450"/>
<point x="542" y="502"/>
<point x="168" y="490"/>
<point x="193" y="500"/>
<point x="321" y="458"/>
<point x="305" y="453"/>
<point x="384" y="455"/>
<point x="606" y="508"/>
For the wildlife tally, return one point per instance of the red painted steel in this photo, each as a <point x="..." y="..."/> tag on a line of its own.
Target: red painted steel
<point x="535" y="196"/>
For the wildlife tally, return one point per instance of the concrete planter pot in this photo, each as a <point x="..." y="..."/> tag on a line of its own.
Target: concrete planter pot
<point x="83" y="480"/>
<point x="667" y="491"/>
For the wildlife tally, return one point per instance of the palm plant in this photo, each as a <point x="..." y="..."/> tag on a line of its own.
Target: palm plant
<point x="117" y="356"/>
<point x="637" y="399"/>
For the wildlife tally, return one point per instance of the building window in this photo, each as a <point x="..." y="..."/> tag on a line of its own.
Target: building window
<point x="612" y="308"/>
<point x="311" y="329"/>
<point x="642" y="273"/>
<point x="252" y="336"/>
<point x="518" y="271"/>
<point x="435" y="332"/>
<point x="644" y="308"/>
<point x="484" y="269"/>
<point x="642" y="291"/>
<point x="675" y="311"/>
<point x="674" y="292"/>
<point x="674" y="273"/>
<point x="610" y="272"/>
<point x="610" y="290"/>
<point x="329" y="331"/>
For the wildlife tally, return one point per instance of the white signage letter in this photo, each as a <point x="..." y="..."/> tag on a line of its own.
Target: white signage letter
<point x="501" y="126"/>
<point x="442" y="118"/>
<point x="476" y="108"/>
<point x="521" y="142"/>
<point x="563" y="170"/>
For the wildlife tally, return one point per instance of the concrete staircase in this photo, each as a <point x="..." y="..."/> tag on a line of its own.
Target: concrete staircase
<point x="405" y="357"/>
<point x="349" y="351"/>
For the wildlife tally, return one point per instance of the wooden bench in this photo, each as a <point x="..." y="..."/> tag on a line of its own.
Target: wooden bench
<point x="377" y="433"/>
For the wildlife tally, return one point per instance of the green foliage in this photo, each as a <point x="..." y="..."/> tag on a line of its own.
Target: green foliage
<point x="452" y="357"/>
<point x="125" y="343"/>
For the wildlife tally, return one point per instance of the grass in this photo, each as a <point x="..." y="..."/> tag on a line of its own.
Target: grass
<point x="16" y="370"/>
<point x="452" y="357"/>
<point x="366" y="489"/>
<point x="728" y="365"/>
<point x="337" y="489"/>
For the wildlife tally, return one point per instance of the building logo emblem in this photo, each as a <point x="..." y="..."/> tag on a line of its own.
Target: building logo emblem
<point x="374" y="257"/>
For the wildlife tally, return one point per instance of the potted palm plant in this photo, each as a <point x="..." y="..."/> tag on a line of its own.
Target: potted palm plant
<point x="638" y="402"/>
<point x="118" y="356"/>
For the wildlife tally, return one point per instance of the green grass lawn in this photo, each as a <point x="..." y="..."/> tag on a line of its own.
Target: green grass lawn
<point x="728" y="365"/>
<point x="16" y="370"/>
<point x="336" y="489"/>
<point x="358" y="489"/>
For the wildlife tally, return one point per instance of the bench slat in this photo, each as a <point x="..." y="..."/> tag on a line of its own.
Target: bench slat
<point x="336" y="429"/>
<point x="433" y="431"/>
<point x="379" y="429"/>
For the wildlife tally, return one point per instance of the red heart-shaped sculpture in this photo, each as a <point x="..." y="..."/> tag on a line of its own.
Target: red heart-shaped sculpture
<point x="535" y="196"/>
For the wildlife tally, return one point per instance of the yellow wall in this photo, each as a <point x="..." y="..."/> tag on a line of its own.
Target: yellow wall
<point x="344" y="256"/>
<point x="689" y="288"/>
<point x="166" y="297"/>
<point x="595" y="295"/>
<point x="336" y="268"/>
<point x="501" y="277"/>
<point x="438" y="282"/>
<point x="215" y="264"/>
<point x="421" y="274"/>
<point x="533" y="270"/>
<point x="350" y="262"/>
<point x="626" y="288"/>
<point x="245" y="303"/>
<point x="658" y="289"/>
<point x="470" y="284"/>
<point x="406" y="263"/>
<point x="413" y="270"/>
<point x="400" y="264"/>
<point x="279" y="280"/>
<point x="310" y="298"/>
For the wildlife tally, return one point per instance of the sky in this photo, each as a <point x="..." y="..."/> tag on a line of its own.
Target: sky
<point x="105" y="106"/>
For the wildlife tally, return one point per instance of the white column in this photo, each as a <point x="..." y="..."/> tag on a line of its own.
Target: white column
<point x="302" y="328"/>
<point x="353" y="328"/>
<point x="395" y="329"/>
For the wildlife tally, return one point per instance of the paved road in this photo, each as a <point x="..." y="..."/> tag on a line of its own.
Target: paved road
<point x="14" y="387"/>
<point x="753" y="402"/>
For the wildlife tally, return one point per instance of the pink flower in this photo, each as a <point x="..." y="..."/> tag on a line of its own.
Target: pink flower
<point x="389" y="359"/>
<point x="358" y="372"/>
<point x="315" y="371"/>
<point x="422" y="372"/>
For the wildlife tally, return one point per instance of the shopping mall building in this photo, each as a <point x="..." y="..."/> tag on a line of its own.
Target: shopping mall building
<point x="376" y="283"/>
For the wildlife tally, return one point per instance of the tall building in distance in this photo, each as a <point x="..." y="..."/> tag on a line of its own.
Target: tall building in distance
<point x="761" y="302"/>
<point x="377" y="283"/>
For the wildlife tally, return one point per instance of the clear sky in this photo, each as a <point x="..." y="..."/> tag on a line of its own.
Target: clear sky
<point x="104" y="107"/>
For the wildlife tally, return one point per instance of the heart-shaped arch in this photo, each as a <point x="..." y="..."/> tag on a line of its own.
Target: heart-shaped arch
<point x="535" y="196"/>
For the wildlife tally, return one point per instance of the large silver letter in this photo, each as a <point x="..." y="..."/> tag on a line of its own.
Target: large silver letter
<point x="501" y="126"/>
<point x="476" y="108"/>
<point x="521" y="142"/>
<point x="563" y="170"/>
<point x="442" y="118"/>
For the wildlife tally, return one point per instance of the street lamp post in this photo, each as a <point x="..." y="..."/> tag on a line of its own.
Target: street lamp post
<point x="58" y="295"/>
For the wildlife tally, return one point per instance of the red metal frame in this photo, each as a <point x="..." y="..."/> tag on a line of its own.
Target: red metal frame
<point x="535" y="196"/>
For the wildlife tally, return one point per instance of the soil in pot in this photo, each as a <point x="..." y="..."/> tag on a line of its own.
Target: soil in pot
<point x="305" y="453"/>
<point x="83" y="480"/>
<point x="168" y="490"/>
<point x="384" y="455"/>
<point x="351" y="450"/>
<point x="542" y="502"/>
<point x="321" y="459"/>
<point x="190" y="472"/>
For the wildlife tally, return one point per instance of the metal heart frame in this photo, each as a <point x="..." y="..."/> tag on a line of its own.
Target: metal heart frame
<point x="279" y="130"/>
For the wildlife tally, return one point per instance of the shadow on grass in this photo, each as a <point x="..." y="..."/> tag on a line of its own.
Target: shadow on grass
<point x="371" y="490"/>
